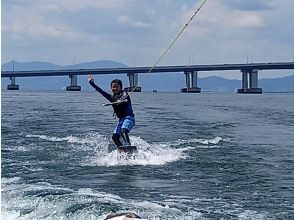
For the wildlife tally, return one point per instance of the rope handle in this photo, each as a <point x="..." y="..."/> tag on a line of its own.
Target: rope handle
<point x="115" y="103"/>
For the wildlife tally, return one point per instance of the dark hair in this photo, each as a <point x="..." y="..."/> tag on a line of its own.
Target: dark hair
<point x="118" y="81"/>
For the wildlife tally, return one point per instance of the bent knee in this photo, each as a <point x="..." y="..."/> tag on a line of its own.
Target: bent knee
<point x="124" y="130"/>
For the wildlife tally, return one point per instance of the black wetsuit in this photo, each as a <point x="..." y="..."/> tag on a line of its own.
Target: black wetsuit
<point x="121" y="110"/>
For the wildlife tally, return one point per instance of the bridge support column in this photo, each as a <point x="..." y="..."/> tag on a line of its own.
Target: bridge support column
<point x="253" y="82"/>
<point x="133" y="80"/>
<point x="191" y="83"/>
<point x="244" y="79"/>
<point x="12" y="86"/>
<point x="73" y="84"/>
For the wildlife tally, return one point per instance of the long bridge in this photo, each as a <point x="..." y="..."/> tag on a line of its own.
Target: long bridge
<point x="249" y="73"/>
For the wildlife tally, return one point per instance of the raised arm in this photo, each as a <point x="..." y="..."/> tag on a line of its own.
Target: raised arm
<point x="98" y="89"/>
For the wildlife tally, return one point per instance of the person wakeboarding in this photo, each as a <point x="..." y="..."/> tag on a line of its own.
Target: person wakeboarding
<point x="122" y="106"/>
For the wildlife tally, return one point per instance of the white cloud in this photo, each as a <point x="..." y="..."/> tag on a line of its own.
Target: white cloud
<point x="77" y="5"/>
<point x="218" y="15"/>
<point x="26" y="21"/>
<point x="249" y="5"/>
<point x="126" y="20"/>
<point x="250" y="21"/>
<point x="35" y="26"/>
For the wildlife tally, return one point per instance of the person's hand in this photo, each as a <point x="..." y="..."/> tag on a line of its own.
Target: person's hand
<point x="90" y="78"/>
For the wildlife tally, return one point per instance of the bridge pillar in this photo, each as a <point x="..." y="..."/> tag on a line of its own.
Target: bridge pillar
<point x="191" y="83"/>
<point x="73" y="84"/>
<point x="12" y="86"/>
<point x="133" y="80"/>
<point x="253" y="79"/>
<point x="244" y="79"/>
<point x="250" y="87"/>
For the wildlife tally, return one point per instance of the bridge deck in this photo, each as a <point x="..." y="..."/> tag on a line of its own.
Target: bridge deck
<point x="159" y="69"/>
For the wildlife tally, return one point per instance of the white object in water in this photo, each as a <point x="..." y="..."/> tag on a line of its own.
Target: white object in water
<point x="123" y="216"/>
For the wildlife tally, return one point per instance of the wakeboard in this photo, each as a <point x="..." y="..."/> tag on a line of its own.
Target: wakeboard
<point x="129" y="149"/>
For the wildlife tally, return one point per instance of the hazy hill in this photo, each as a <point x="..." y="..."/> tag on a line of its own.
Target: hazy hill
<point x="22" y="66"/>
<point x="155" y="81"/>
<point x="284" y="84"/>
<point x="96" y="64"/>
<point x="60" y="82"/>
<point x="37" y="65"/>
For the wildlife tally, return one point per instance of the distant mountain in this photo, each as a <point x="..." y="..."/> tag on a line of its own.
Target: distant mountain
<point x="37" y="65"/>
<point x="218" y="84"/>
<point x="19" y="66"/>
<point x="60" y="82"/>
<point x="96" y="64"/>
<point x="167" y="82"/>
<point x="285" y="84"/>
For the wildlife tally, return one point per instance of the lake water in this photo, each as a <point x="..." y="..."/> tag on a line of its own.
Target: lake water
<point x="201" y="156"/>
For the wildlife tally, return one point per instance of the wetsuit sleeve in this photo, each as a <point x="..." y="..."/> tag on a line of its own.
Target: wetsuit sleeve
<point x="101" y="91"/>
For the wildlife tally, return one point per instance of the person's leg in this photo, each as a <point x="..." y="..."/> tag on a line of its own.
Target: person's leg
<point x="116" y="139"/>
<point x="117" y="133"/>
<point x="127" y="125"/>
<point x="125" y="136"/>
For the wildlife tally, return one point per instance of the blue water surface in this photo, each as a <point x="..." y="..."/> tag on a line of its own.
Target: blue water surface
<point x="201" y="156"/>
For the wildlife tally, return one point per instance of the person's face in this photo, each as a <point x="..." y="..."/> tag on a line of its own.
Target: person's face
<point x="115" y="87"/>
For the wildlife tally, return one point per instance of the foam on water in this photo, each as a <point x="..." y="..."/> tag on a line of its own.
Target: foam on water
<point x="69" y="139"/>
<point x="99" y="153"/>
<point x="152" y="153"/>
<point x="23" y="201"/>
<point x="148" y="154"/>
<point x="254" y="215"/>
<point x="42" y="200"/>
<point x="214" y="141"/>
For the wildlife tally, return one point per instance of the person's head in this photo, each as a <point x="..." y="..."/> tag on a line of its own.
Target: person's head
<point x="116" y="86"/>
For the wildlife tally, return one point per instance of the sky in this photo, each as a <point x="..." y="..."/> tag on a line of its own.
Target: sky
<point x="136" y="32"/>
